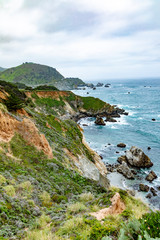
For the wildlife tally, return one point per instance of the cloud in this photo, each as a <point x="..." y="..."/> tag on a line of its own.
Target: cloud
<point x="85" y="38"/>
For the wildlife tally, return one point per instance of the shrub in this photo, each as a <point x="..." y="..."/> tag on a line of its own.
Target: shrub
<point x="150" y="223"/>
<point x="2" y="179"/>
<point x="85" y="197"/>
<point x="45" y="198"/>
<point x="25" y="186"/>
<point x="71" y="225"/>
<point x="10" y="190"/>
<point x="130" y="231"/>
<point x="76" y="207"/>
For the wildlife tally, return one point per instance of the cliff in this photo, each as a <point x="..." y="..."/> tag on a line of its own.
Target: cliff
<point x="50" y="179"/>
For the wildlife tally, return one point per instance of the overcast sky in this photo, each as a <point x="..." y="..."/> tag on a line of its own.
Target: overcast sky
<point x="89" y="39"/>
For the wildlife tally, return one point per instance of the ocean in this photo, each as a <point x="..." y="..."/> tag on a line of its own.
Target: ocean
<point x="141" y="99"/>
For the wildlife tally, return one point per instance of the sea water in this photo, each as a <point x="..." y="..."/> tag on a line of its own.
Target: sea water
<point x="141" y="99"/>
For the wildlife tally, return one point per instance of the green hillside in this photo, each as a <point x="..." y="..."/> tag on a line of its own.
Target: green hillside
<point x="35" y="74"/>
<point x="2" y="69"/>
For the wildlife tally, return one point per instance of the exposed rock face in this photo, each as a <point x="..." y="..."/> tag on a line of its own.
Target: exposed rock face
<point x="125" y="170"/>
<point x="143" y="187"/>
<point x="110" y="119"/>
<point x="121" y="145"/>
<point x="116" y="208"/>
<point x="99" y="84"/>
<point x="137" y="158"/>
<point x="27" y="129"/>
<point x="153" y="191"/>
<point x="122" y="159"/>
<point x="151" y="176"/>
<point x="100" y="121"/>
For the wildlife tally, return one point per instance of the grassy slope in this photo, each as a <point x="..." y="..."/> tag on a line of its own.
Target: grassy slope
<point x="36" y="74"/>
<point x="43" y="199"/>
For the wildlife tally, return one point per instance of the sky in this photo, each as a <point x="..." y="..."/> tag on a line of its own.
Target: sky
<point x="89" y="39"/>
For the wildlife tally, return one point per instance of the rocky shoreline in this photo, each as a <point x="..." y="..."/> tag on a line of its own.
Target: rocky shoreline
<point x="129" y="166"/>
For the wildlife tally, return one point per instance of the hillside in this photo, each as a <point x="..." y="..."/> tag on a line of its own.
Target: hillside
<point x="33" y="74"/>
<point x="50" y="180"/>
<point x="2" y="69"/>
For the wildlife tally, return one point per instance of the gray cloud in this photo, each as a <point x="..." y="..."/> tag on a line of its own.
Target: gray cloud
<point x="85" y="38"/>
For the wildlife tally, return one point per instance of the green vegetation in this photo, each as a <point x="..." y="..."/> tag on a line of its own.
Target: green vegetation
<point x="46" y="199"/>
<point x="46" y="87"/>
<point x="16" y="99"/>
<point x="35" y="74"/>
<point x="94" y="104"/>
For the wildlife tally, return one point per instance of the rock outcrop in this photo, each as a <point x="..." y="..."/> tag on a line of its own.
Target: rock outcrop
<point x="100" y="121"/>
<point x="121" y="145"/>
<point x="137" y="158"/>
<point x="151" y="176"/>
<point x="143" y="187"/>
<point x="125" y="170"/>
<point x="9" y="125"/>
<point x="116" y="208"/>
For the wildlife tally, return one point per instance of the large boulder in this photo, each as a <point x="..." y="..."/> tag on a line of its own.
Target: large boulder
<point x="151" y="176"/>
<point x="137" y="158"/>
<point x="99" y="121"/>
<point x="121" y="145"/>
<point x="125" y="170"/>
<point x="143" y="187"/>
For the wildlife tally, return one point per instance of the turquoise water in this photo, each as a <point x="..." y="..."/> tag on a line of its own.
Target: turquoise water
<point x="136" y="129"/>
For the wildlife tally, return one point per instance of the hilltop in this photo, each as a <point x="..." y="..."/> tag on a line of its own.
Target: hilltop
<point x="33" y="74"/>
<point x="50" y="179"/>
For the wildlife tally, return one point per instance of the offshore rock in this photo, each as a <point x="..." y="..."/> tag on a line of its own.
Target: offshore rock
<point x="154" y="192"/>
<point x="143" y="187"/>
<point x="125" y="170"/>
<point x="121" y="145"/>
<point x="99" y="121"/>
<point x="151" y="176"/>
<point x="137" y="158"/>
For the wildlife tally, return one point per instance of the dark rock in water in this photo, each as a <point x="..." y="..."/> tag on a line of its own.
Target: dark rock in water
<point x="106" y="85"/>
<point x="128" y="92"/>
<point x="153" y="119"/>
<point x="151" y="176"/>
<point x="117" y="152"/>
<point x="85" y="125"/>
<point x="143" y="187"/>
<point x="115" y="115"/>
<point x="125" y="170"/>
<point x="99" y="121"/>
<point x="94" y="88"/>
<point x="99" y="84"/>
<point x="84" y="88"/>
<point x="137" y="158"/>
<point x="109" y="144"/>
<point x="110" y="119"/>
<point x="101" y="156"/>
<point x="149" y="195"/>
<point x="87" y="92"/>
<point x="149" y="148"/>
<point x="121" y="159"/>
<point x="134" y="171"/>
<point x="153" y="191"/>
<point x="158" y="188"/>
<point x="91" y="85"/>
<point x="121" y="145"/>
<point x="126" y="113"/>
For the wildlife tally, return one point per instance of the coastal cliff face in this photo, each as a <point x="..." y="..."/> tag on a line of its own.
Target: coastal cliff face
<point x="50" y="179"/>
